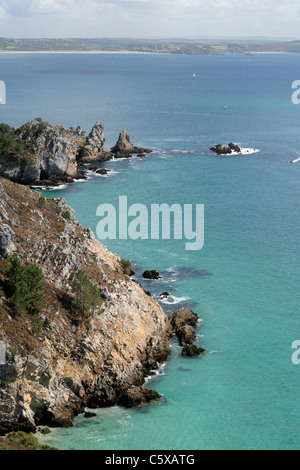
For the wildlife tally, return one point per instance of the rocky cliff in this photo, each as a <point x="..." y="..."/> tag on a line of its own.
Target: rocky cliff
<point x="50" y="375"/>
<point x="43" y="154"/>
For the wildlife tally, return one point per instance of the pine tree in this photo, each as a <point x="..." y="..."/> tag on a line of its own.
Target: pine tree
<point x="35" y="281"/>
<point x="87" y="296"/>
<point x="26" y="286"/>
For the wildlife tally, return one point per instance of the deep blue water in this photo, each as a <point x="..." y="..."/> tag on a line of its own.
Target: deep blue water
<point x="244" y="283"/>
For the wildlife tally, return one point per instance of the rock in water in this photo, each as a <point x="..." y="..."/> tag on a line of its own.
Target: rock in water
<point x="226" y="149"/>
<point x="136" y="396"/>
<point x="124" y="147"/>
<point x="123" y="144"/>
<point x="151" y="274"/>
<point x="183" y="323"/>
<point x="93" y="150"/>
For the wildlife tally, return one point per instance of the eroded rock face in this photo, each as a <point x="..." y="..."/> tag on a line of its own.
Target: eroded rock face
<point x="50" y="154"/>
<point x="74" y="362"/>
<point x="93" y="150"/>
<point x="6" y="240"/>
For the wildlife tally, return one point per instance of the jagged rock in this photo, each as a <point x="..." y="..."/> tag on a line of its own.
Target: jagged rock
<point x="6" y="240"/>
<point x="93" y="150"/>
<point x="151" y="274"/>
<point x="226" y="149"/>
<point x="164" y="294"/>
<point x="183" y="323"/>
<point x="136" y="396"/>
<point x="124" y="147"/>
<point x="191" y="350"/>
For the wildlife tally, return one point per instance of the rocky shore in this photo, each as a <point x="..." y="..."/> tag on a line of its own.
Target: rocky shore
<point x="42" y="154"/>
<point x="49" y="375"/>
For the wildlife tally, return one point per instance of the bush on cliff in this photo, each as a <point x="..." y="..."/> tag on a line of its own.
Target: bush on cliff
<point x="8" y="144"/>
<point x="88" y="298"/>
<point x="26" y="286"/>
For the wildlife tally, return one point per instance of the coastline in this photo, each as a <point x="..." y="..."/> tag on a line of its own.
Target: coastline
<point x="81" y="52"/>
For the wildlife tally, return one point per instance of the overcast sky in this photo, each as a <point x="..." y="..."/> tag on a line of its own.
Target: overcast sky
<point x="150" y="18"/>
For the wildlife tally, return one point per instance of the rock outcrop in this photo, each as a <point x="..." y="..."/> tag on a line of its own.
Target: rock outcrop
<point x="93" y="150"/>
<point x="124" y="147"/>
<point x="226" y="149"/>
<point x="151" y="274"/>
<point x="136" y="396"/>
<point x="50" y="376"/>
<point x="46" y="151"/>
<point x="47" y="155"/>
<point x="183" y="323"/>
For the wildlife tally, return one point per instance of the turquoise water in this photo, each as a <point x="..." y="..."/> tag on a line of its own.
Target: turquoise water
<point x="243" y="394"/>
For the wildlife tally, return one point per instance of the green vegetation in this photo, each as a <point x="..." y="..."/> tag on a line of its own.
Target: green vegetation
<point x="8" y="144"/>
<point x="42" y="202"/>
<point x="162" y="46"/>
<point x="22" y="441"/>
<point x="66" y="214"/>
<point x="45" y="431"/>
<point x="88" y="299"/>
<point x="126" y="265"/>
<point x="26" y="285"/>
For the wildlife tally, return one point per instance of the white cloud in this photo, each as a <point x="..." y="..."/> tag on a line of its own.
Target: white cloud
<point x="107" y="18"/>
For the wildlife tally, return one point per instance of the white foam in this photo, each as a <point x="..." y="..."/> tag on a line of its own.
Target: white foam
<point x="51" y="188"/>
<point x="246" y="151"/>
<point x="172" y="299"/>
<point x="156" y="372"/>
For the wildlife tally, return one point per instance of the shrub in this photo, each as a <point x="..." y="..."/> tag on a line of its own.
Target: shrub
<point x="27" y="441"/>
<point x="26" y="285"/>
<point x="66" y="214"/>
<point x="88" y="298"/>
<point x="36" y="324"/>
<point x="8" y="144"/>
<point x="42" y="201"/>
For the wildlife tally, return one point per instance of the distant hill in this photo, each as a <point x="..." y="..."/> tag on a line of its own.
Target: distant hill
<point x="167" y="46"/>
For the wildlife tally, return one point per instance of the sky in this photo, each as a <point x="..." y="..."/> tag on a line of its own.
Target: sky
<point x="149" y="18"/>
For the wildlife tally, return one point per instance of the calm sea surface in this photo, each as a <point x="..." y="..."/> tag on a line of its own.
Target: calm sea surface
<point x="244" y="283"/>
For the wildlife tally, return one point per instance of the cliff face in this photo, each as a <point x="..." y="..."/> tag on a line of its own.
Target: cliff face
<point x="50" y="152"/>
<point x="50" y="376"/>
<point x="42" y="154"/>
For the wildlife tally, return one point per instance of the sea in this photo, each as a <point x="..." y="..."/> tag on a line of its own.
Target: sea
<point x="243" y="393"/>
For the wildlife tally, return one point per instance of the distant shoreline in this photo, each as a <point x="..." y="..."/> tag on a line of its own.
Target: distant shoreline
<point x="81" y="52"/>
<point x="140" y="52"/>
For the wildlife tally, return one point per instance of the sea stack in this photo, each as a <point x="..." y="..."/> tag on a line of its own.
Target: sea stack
<point x="125" y="148"/>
